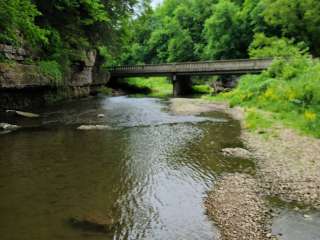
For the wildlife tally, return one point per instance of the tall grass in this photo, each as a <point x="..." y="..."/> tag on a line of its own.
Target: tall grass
<point x="158" y="86"/>
<point x="290" y="89"/>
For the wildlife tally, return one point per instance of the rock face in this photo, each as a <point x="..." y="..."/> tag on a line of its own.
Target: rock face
<point x="12" y="53"/>
<point x="23" y="85"/>
<point x="87" y="75"/>
<point x="19" y="76"/>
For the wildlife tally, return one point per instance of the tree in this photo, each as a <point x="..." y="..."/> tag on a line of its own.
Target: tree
<point x="17" y="23"/>
<point x="223" y="32"/>
<point x="297" y="19"/>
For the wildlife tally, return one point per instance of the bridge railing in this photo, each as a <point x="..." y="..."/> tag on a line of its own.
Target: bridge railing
<point x="239" y="65"/>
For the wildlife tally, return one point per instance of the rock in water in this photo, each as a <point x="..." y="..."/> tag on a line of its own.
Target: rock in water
<point x="24" y="114"/>
<point x="101" y="115"/>
<point x="236" y="152"/>
<point x="94" y="127"/>
<point x="94" y="222"/>
<point x="8" y="127"/>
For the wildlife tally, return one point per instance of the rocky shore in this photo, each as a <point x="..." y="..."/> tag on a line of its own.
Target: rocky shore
<point x="237" y="208"/>
<point x="288" y="168"/>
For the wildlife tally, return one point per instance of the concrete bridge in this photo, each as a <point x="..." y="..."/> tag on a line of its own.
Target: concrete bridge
<point x="181" y="73"/>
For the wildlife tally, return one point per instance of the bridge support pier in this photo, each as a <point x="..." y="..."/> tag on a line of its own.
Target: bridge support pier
<point x="182" y="85"/>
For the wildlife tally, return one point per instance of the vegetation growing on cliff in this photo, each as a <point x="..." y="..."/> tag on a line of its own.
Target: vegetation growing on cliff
<point x="60" y="32"/>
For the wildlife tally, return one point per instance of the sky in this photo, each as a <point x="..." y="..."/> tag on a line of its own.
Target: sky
<point x="156" y="2"/>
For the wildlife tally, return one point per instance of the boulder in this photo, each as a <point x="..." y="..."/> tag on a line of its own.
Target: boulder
<point x="94" y="222"/>
<point x="8" y="127"/>
<point x="236" y="152"/>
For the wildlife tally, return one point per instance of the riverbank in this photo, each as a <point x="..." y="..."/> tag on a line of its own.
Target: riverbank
<point x="288" y="168"/>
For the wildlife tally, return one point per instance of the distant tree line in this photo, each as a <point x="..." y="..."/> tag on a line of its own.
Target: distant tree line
<point x="192" y="30"/>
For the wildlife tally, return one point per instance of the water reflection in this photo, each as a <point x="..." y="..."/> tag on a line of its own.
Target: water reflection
<point x="151" y="174"/>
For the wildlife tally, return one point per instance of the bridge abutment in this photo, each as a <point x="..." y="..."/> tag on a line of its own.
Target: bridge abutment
<point x="182" y="85"/>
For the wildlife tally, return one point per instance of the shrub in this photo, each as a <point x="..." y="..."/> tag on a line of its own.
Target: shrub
<point x="290" y="88"/>
<point x="52" y="70"/>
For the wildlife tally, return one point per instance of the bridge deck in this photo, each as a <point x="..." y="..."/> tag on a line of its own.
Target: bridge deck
<point x="193" y="68"/>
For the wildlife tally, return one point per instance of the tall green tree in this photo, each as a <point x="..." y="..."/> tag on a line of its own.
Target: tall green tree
<point x="297" y="19"/>
<point x="17" y="23"/>
<point x="224" y="32"/>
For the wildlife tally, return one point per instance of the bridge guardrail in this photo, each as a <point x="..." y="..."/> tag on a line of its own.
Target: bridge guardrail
<point x="241" y="65"/>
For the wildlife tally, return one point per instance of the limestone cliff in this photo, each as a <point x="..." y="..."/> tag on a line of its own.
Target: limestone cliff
<point x="25" y="85"/>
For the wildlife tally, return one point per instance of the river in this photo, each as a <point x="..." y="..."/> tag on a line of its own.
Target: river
<point x="150" y="172"/>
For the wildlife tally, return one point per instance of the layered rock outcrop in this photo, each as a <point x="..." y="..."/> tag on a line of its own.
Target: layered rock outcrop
<point x="23" y="85"/>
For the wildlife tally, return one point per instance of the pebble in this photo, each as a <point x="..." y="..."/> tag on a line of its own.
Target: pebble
<point x="94" y="127"/>
<point x="307" y="216"/>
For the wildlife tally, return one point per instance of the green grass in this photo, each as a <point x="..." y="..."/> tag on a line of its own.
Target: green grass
<point x="202" y="89"/>
<point x="289" y="90"/>
<point x="158" y="86"/>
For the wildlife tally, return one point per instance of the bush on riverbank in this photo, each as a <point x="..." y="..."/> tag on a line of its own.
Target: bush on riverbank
<point x="290" y="88"/>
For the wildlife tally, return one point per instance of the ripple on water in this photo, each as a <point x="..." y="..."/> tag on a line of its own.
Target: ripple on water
<point x="151" y="174"/>
<point x="292" y="225"/>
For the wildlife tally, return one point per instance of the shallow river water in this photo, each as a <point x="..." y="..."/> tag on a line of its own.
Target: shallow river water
<point x="149" y="173"/>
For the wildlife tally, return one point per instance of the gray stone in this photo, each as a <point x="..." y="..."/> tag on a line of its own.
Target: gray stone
<point x="13" y="53"/>
<point x="236" y="152"/>
<point x="94" y="127"/>
<point x="19" y="76"/>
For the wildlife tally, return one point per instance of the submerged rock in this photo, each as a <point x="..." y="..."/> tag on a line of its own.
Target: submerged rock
<point x="94" y="222"/>
<point x="24" y="114"/>
<point x="236" y="152"/>
<point x="8" y="127"/>
<point x="94" y="127"/>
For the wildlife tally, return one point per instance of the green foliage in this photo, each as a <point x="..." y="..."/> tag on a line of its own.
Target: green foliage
<point x="263" y="46"/>
<point x="257" y="120"/>
<point x="52" y="70"/>
<point x="192" y="30"/>
<point x="62" y="31"/>
<point x="296" y="19"/>
<point x="17" y="23"/>
<point x="222" y="29"/>
<point x="202" y="89"/>
<point x="158" y="86"/>
<point x="105" y="91"/>
<point x="290" y="89"/>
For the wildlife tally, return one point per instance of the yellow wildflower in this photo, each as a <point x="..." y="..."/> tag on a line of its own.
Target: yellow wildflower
<point x="310" y="116"/>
